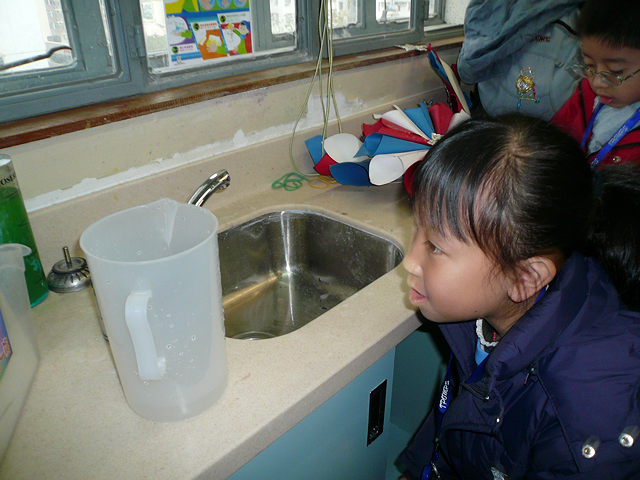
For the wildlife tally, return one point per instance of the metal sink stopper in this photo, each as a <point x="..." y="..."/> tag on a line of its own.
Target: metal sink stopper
<point x="69" y="274"/>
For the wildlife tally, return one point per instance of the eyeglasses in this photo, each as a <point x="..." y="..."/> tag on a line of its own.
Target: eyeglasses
<point x="607" y="77"/>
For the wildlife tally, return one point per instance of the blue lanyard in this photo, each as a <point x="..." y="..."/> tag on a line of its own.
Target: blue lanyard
<point x="628" y="125"/>
<point x="446" y="395"/>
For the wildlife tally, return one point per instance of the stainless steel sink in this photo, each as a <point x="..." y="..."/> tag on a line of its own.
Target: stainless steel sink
<point x="282" y="270"/>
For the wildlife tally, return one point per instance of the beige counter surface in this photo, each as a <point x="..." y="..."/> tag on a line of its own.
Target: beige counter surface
<point x="76" y="423"/>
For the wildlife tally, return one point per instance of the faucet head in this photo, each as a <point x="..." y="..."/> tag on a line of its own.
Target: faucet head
<point x="218" y="181"/>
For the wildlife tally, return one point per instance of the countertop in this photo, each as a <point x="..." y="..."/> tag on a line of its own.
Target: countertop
<point x="76" y="423"/>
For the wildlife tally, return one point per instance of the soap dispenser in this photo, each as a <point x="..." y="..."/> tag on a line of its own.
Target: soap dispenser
<point x="15" y="228"/>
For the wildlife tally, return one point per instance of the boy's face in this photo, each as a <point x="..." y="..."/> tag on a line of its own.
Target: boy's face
<point x="624" y="61"/>
<point x="454" y="281"/>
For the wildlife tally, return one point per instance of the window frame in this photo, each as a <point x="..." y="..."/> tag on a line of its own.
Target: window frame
<point x="131" y="76"/>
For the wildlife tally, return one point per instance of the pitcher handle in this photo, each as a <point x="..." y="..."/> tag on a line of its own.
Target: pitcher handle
<point x="150" y="366"/>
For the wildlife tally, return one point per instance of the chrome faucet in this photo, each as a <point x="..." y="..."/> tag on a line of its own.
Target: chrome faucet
<point x="218" y="181"/>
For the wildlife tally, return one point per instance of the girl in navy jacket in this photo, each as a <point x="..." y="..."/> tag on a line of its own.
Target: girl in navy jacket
<point x="544" y="378"/>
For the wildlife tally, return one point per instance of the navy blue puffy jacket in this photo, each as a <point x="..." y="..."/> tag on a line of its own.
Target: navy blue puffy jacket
<point x="565" y="377"/>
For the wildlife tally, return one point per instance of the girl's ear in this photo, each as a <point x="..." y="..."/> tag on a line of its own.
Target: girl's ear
<point x="535" y="274"/>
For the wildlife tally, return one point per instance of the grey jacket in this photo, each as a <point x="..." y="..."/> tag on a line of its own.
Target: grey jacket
<point x="496" y="29"/>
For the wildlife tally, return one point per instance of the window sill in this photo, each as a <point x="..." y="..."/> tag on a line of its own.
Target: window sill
<point x="46" y="126"/>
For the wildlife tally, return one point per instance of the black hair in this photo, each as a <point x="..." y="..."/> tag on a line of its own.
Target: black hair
<point x="614" y="234"/>
<point x="615" y="22"/>
<point x="515" y="186"/>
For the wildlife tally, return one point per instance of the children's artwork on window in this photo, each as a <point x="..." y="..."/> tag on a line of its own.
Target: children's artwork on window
<point x="236" y="30"/>
<point x="209" y="39"/>
<point x="201" y="31"/>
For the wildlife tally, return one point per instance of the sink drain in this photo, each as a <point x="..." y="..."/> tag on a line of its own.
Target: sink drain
<point x="254" y="335"/>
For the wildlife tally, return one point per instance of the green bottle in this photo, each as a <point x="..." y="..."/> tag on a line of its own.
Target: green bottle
<point x="15" y="228"/>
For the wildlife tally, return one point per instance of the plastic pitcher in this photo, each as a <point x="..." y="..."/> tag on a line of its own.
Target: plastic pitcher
<point x="156" y="274"/>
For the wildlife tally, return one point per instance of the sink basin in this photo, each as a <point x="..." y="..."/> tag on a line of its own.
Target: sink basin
<point x="282" y="270"/>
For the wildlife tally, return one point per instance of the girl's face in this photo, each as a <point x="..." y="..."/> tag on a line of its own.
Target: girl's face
<point x="599" y="56"/>
<point x="454" y="281"/>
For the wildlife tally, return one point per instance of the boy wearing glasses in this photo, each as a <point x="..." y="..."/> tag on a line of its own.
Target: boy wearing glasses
<point x="604" y="112"/>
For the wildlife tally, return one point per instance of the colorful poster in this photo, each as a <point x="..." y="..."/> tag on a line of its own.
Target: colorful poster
<point x="180" y="38"/>
<point x="209" y="40"/>
<point x="236" y="30"/>
<point x="201" y="31"/>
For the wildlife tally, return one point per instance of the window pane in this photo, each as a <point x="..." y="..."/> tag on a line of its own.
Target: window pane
<point x="367" y="18"/>
<point x="283" y="17"/>
<point x="393" y="11"/>
<point x="83" y="26"/>
<point x="31" y="28"/>
<point x="433" y="9"/>
<point x="188" y="34"/>
<point x="155" y="33"/>
<point x="195" y="33"/>
<point x="69" y="78"/>
<point x="345" y="13"/>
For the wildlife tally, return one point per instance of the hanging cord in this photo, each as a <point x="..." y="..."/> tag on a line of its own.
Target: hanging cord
<point x="292" y="181"/>
<point x="328" y="32"/>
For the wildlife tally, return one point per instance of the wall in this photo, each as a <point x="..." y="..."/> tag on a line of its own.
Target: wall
<point x="454" y="11"/>
<point x="60" y="168"/>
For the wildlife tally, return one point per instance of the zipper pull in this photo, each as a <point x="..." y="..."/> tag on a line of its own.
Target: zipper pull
<point x="531" y="370"/>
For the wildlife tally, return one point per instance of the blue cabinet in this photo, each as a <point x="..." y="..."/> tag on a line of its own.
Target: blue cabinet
<point x="333" y="442"/>
<point x="359" y="432"/>
<point x="419" y="369"/>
